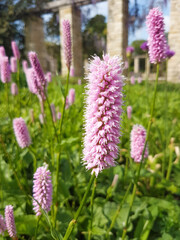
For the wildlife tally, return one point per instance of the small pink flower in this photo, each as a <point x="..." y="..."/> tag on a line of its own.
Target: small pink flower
<point x="21" y="132"/>
<point x="138" y="138"/>
<point x="129" y="111"/>
<point x="14" y="89"/>
<point x="15" y="50"/>
<point x="42" y="190"/>
<point x="2" y="52"/>
<point x="41" y="118"/>
<point x="10" y="223"/>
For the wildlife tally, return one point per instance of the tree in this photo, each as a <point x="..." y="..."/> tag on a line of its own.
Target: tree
<point x="94" y="36"/>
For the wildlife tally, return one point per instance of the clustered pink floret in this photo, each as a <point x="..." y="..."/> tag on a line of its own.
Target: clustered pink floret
<point x="42" y="190"/>
<point x="156" y="41"/>
<point x="15" y="50"/>
<point x="138" y="138"/>
<point x="10" y="223"/>
<point x="21" y="132"/>
<point x="103" y="113"/>
<point x="5" y="70"/>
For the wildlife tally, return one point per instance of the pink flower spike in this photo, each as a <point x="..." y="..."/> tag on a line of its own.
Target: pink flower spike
<point x="139" y="80"/>
<point x="66" y="33"/>
<point x="10" y="223"/>
<point x="53" y="111"/>
<point x="58" y="115"/>
<point x="15" y="50"/>
<point x="156" y="41"/>
<point x="41" y="118"/>
<point x="25" y="65"/>
<point x="132" y="80"/>
<point x="14" y="89"/>
<point x="2" y="225"/>
<point x="48" y="77"/>
<point x="21" y="132"/>
<point x="37" y="68"/>
<point x="72" y="71"/>
<point x="5" y="70"/>
<point x="13" y="62"/>
<point x="79" y="81"/>
<point x="129" y="111"/>
<point x="42" y="190"/>
<point x="138" y="138"/>
<point x="103" y="113"/>
<point x="71" y="96"/>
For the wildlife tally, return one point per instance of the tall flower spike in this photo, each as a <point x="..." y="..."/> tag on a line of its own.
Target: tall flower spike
<point x="14" y="89"/>
<point x="5" y="70"/>
<point x="156" y="40"/>
<point x="37" y="68"/>
<point x="48" y="77"/>
<point x="2" y="52"/>
<point x="66" y="32"/>
<point x="13" y="62"/>
<point x="21" y="132"/>
<point x="10" y="223"/>
<point x="129" y="112"/>
<point x="138" y="138"/>
<point x="71" y="96"/>
<point x="15" y="50"/>
<point x="42" y="190"/>
<point x="25" y="65"/>
<point x="2" y="225"/>
<point x="32" y="81"/>
<point x="103" y="113"/>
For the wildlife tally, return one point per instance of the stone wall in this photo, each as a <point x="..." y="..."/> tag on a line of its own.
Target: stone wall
<point x="35" y="41"/>
<point x="174" y="41"/>
<point x="74" y="16"/>
<point x="117" y="27"/>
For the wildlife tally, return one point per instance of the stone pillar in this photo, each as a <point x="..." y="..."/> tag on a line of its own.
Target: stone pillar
<point x="136" y="65"/>
<point x="74" y="16"/>
<point x="174" y="42"/>
<point x="117" y="27"/>
<point x="34" y="33"/>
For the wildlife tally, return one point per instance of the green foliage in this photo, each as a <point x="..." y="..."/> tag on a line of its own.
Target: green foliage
<point x="155" y="213"/>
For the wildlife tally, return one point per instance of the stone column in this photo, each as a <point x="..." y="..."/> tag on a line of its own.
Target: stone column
<point x="136" y="64"/>
<point x="34" y="33"/>
<point x="174" y="42"/>
<point x="74" y="16"/>
<point x="117" y="27"/>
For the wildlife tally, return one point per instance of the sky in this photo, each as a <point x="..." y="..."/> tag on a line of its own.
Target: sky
<point x="139" y="34"/>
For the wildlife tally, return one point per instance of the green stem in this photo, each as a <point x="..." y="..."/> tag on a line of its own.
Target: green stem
<point x="7" y="98"/>
<point x="60" y="137"/>
<point x="37" y="226"/>
<point x="18" y="82"/>
<point x="34" y="158"/>
<point x="170" y="162"/>
<point x="165" y="121"/>
<point x="147" y="77"/>
<point x="140" y="165"/>
<point x="91" y="206"/>
<point x="73" y="221"/>
<point x="118" y="210"/>
<point x="55" y="131"/>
